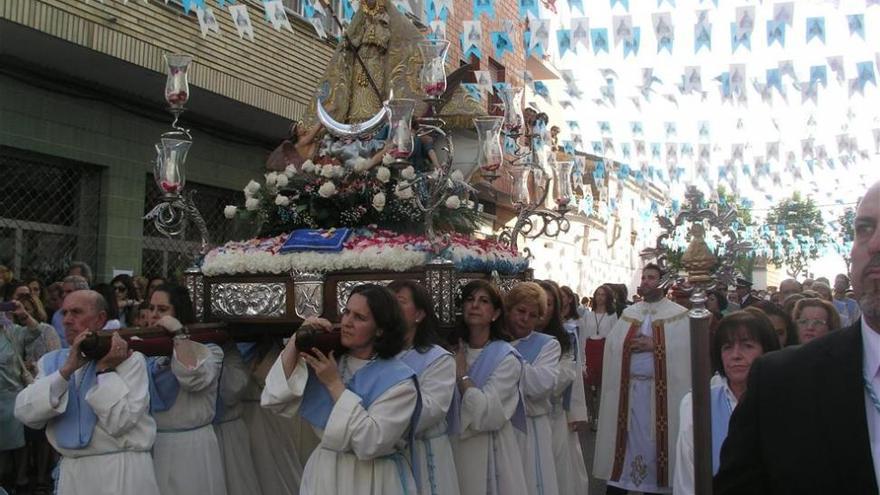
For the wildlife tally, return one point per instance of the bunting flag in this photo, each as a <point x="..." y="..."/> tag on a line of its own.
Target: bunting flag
<point x="484" y="7"/>
<point x="865" y="71"/>
<point x="539" y="39"/>
<point x="775" y="33"/>
<point x="563" y="40"/>
<point x="625" y="4"/>
<point x="207" y="22"/>
<point x="242" y="21"/>
<point x="664" y="31"/>
<point x="636" y="128"/>
<point x="277" y="15"/>
<point x="819" y="75"/>
<point x="783" y="12"/>
<point x="527" y="8"/>
<point x="575" y="4"/>
<point x="438" y="30"/>
<point x="856" y="23"/>
<point x="580" y="32"/>
<point x="836" y="66"/>
<point x="816" y="29"/>
<point x="189" y="5"/>
<point x="599" y="40"/>
<point x="632" y="45"/>
<point x="472" y="39"/>
<point x="501" y="43"/>
<point x="702" y="31"/>
<point x="473" y="91"/>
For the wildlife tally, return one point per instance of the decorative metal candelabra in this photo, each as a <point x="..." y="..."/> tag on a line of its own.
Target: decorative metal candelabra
<point x="176" y="210"/>
<point x="699" y="262"/>
<point x="533" y="219"/>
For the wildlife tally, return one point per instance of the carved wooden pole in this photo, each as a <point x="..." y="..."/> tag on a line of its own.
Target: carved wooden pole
<point x="698" y="261"/>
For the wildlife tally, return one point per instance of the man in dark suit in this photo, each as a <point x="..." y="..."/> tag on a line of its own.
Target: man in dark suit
<point x="744" y="297"/>
<point x="809" y="422"/>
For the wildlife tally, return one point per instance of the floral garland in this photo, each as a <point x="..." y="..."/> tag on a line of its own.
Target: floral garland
<point x="325" y="194"/>
<point x="375" y="249"/>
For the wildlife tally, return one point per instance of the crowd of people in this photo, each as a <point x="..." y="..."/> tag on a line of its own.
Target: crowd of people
<point x="493" y="407"/>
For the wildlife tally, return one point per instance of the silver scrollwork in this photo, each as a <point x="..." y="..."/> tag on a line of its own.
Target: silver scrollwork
<point x="344" y="288"/>
<point x="308" y="294"/>
<point x="195" y="284"/>
<point x="249" y="299"/>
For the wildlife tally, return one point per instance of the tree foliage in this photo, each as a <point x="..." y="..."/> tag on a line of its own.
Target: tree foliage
<point x="796" y="233"/>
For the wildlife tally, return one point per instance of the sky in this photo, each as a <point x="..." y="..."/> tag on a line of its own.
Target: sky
<point x="742" y="128"/>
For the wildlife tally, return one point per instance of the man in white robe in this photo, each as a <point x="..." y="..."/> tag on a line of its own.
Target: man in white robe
<point x="115" y="459"/>
<point x="646" y="372"/>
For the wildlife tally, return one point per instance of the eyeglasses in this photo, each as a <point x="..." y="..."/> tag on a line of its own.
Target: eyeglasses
<point x="812" y="323"/>
<point x="119" y="288"/>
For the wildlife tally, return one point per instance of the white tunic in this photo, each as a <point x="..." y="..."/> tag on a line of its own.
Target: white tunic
<point x="683" y="483"/>
<point x="275" y="440"/>
<point x="232" y="433"/>
<point x="595" y="325"/>
<point x="117" y="460"/>
<point x="536" y="445"/>
<point x="186" y="453"/>
<point x="571" y="472"/>
<point x="361" y="449"/>
<point x="487" y="436"/>
<point x="433" y="450"/>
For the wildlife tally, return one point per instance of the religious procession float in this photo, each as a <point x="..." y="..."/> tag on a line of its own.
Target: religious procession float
<point x="366" y="189"/>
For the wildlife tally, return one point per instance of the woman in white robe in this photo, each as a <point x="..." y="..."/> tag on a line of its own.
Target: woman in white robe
<point x="568" y="409"/>
<point x="275" y="440"/>
<point x="232" y="433"/>
<point x="363" y="430"/>
<point x="435" y="368"/>
<point x="186" y="454"/>
<point x="487" y="400"/>
<point x="525" y="305"/>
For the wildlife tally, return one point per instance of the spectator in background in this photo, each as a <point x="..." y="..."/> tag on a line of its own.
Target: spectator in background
<point x="37" y="290"/>
<point x="54" y="296"/>
<point x="744" y="295"/>
<point x="716" y="303"/>
<point x="125" y="294"/>
<point x="846" y="306"/>
<point x="140" y="284"/>
<point x="808" y="284"/>
<point x="82" y="269"/>
<point x="6" y="276"/>
<point x="20" y="292"/>
<point x="106" y="290"/>
<point x="620" y="297"/>
<point x="154" y="284"/>
<point x="782" y="323"/>
<point x="70" y="284"/>
<point x="823" y="290"/>
<point x="814" y="318"/>
<point x="142" y="319"/>
<point x="789" y="287"/>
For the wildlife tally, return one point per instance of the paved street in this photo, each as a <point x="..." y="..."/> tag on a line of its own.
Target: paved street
<point x="588" y="445"/>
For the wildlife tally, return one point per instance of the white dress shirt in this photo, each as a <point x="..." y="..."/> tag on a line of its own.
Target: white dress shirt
<point x="871" y="364"/>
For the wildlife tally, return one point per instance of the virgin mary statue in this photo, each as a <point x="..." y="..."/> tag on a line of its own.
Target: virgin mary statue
<point x="386" y="42"/>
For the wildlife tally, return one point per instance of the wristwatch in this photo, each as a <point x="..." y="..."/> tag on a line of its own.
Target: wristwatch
<point x="462" y="379"/>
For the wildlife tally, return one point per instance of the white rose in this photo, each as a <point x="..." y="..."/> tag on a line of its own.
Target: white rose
<point x="361" y="164"/>
<point x="271" y="179"/>
<point x="409" y="173"/>
<point x="308" y="166"/>
<point x="251" y="188"/>
<point x="457" y="176"/>
<point x="404" y="190"/>
<point x="327" y="189"/>
<point x="327" y="171"/>
<point x="252" y="204"/>
<point x="229" y="211"/>
<point x="290" y="170"/>
<point x="383" y="174"/>
<point x="281" y="180"/>
<point x="379" y="201"/>
<point x="282" y="200"/>
<point x="387" y="159"/>
<point x="338" y="170"/>
<point x="452" y="202"/>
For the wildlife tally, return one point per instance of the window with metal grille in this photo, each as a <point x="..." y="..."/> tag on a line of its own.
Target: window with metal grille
<point x="169" y="258"/>
<point x="49" y="210"/>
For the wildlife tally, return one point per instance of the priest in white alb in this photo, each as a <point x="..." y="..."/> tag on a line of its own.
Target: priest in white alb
<point x="95" y="412"/>
<point x="646" y="371"/>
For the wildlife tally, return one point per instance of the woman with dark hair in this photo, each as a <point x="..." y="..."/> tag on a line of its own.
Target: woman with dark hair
<point x="106" y="292"/>
<point x="741" y="338"/>
<point x="183" y="399"/>
<point x="569" y="303"/>
<point x="568" y="409"/>
<point x="487" y="402"/>
<point x="525" y="306"/>
<point x="361" y="406"/>
<point x="716" y="303"/>
<point x="814" y="318"/>
<point x="126" y="296"/>
<point x="596" y="323"/>
<point x="785" y="330"/>
<point x="435" y="368"/>
<point x="154" y="284"/>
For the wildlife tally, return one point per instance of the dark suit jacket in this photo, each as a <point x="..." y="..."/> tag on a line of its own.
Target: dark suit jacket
<point x="801" y="427"/>
<point x="750" y="299"/>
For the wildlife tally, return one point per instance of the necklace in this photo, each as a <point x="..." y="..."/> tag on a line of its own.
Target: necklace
<point x="599" y="321"/>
